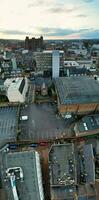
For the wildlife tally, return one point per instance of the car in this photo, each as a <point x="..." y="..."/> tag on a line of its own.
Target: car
<point x="13" y="146"/>
<point x="34" y="145"/>
<point x="23" y="118"/>
<point x="43" y="144"/>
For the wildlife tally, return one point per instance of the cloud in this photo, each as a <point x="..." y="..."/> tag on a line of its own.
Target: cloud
<point x="56" y="32"/>
<point x="63" y="8"/>
<point x="39" y="3"/>
<point x="61" y="31"/>
<point x="88" y="1"/>
<point x="14" y="32"/>
<point x="92" y="34"/>
<point x="80" y="15"/>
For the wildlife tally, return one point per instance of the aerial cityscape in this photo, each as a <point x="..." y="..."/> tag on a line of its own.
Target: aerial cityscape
<point x="49" y="100"/>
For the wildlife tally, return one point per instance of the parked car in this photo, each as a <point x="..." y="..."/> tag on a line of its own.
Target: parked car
<point x="34" y="145"/>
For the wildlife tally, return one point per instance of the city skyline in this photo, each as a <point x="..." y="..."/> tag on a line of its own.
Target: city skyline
<point x="54" y="19"/>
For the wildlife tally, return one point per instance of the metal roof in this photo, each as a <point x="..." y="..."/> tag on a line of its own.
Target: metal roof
<point x="77" y="90"/>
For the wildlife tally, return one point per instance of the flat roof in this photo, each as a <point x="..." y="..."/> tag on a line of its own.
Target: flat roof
<point x="28" y="189"/>
<point x="85" y="164"/>
<point x="77" y="90"/>
<point x="51" y="51"/>
<point x="70" y="162"/>
<point x="88" y="123"/>
<point x="62" y="170"/>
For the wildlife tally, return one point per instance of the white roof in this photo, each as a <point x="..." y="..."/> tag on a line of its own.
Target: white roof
<point x="51" y="51"/>
<point x="13" y="83"/>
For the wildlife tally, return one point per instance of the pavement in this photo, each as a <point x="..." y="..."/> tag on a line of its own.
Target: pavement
<point x="7" y="124"/>
<point x="43" y="123"/>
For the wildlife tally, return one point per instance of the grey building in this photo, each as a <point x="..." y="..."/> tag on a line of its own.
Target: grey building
<point x="21" y="175"/>
<point x="72" y="172"/>
<point x="44" y="60"/>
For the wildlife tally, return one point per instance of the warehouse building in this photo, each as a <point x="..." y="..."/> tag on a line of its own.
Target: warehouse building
<point x="72" y="175"/>
<point x="16" y="89"/>
<point x="21" y="175"/>
<point x="77" y="95"/>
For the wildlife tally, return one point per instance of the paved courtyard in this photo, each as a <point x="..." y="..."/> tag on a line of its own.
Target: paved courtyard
<point x="42" y="124"/>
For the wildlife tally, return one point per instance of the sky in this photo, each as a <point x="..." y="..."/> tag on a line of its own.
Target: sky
<point x="54" y="19"/>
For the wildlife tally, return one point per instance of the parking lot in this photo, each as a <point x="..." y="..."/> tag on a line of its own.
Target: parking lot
<point x="7" y="124"/>
<point x="43" y="123"/>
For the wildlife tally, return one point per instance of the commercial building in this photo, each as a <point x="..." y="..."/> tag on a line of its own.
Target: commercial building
<point x="55" y="64"/>
<point x="34" y="44"/>
<point x="72" y="172"/>
<point x="88" y="125"/>
<point x="85" y="63"/>
<point x="16" y="89"/>
<point x="45" y="60"/>
<point x="71" y="63"/>
<point x="62" y="171"/>
<point x="77" y="50"/>
<point x="75" y="71"/>
<point x="77" y="95"/>
<point x="21" y="175"/>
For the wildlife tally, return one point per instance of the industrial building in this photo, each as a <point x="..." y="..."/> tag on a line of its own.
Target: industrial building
<point x="21" y="175"/>
<point x="72" y="172"/>
<point x="16" y="89"/>
<point x="77" y="95"/>
<point x="46" y="59"/>
<point x="88" y="125"/>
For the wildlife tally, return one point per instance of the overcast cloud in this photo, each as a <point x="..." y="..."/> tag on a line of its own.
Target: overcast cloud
<point x="56" y="18"/>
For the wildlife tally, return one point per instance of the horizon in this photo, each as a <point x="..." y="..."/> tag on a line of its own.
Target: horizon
<point x="54" y="19"/>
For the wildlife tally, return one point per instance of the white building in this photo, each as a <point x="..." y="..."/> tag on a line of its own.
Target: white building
<point x="16" y="89"/>
<point x="71" y="63"/>
<point x="85" y="63"/>
<point x="55" y="63"/>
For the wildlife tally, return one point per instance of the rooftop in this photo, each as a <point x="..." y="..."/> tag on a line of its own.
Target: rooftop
<point x="62" y="170"/>
<point x="71" y="166"/>
<point x="76" y="71"/>
<point x="75" y="90"/>
<point x="88" y="123"/>
<point x="51" y="51"/>
<point x="28" y="189"/>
